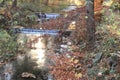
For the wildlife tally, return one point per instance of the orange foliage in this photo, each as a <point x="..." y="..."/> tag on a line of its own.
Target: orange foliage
<point x="78" y="15"/>
<point x="98" y="5"/>
<point x="6" y="13"/>
<point x="74" y="15"/>
<point x="65" y="68"/>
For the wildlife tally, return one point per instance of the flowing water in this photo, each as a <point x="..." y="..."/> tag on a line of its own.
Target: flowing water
<point x="37" y="46"/>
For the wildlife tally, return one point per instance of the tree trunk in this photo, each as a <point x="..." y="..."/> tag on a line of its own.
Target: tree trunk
<point x="14" y="3"/>
<point x="90" y="25"/>
<point x="46" y="2"/>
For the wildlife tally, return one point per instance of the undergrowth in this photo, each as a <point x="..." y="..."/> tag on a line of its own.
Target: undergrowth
<point x="105" y="60"/>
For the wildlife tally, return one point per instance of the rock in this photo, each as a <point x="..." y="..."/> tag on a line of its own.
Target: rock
<point x="27" y="75"/>
<point x="64" y="46"/>
<point x="97" y="58"/>
<point x="69" y="43"/>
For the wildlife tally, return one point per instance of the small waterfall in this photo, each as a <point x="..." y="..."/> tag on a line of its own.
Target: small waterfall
<point x="36" y="48"/>
<point x="37" y="45"/>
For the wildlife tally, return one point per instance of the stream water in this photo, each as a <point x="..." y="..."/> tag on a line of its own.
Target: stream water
<point x="40" y="45"/>
<point x="36" y="52"/>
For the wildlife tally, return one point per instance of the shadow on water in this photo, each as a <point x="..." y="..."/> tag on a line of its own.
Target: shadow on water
<point x="32" y="73"/>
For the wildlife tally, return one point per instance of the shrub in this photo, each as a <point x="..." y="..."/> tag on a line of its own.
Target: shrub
<point x="8" y="46"/>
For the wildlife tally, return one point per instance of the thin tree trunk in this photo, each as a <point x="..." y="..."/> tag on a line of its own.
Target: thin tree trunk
<point x="46" y="2"/>
<point x="90" y="25"/>
<point x="14" y="3"/>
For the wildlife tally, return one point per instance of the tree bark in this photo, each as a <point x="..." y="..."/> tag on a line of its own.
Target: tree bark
<point x="90" y="24"/>
<point x="14" y="3"/>
<point x="46" y="2"/>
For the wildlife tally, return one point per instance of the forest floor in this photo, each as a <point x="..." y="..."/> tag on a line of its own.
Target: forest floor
<point x="105" y="60"/>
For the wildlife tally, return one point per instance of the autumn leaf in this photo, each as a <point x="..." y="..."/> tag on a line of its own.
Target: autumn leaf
<point x="27" y="74"/>
<point x="78" y="75"/>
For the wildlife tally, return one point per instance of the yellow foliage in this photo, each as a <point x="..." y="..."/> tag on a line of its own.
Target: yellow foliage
<point x="2" y="11"/>
<point x="76" y="61"/>
<point x="72" y="26"/>
<point x="78" y="75"/>
<point x="113" y="30"/>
